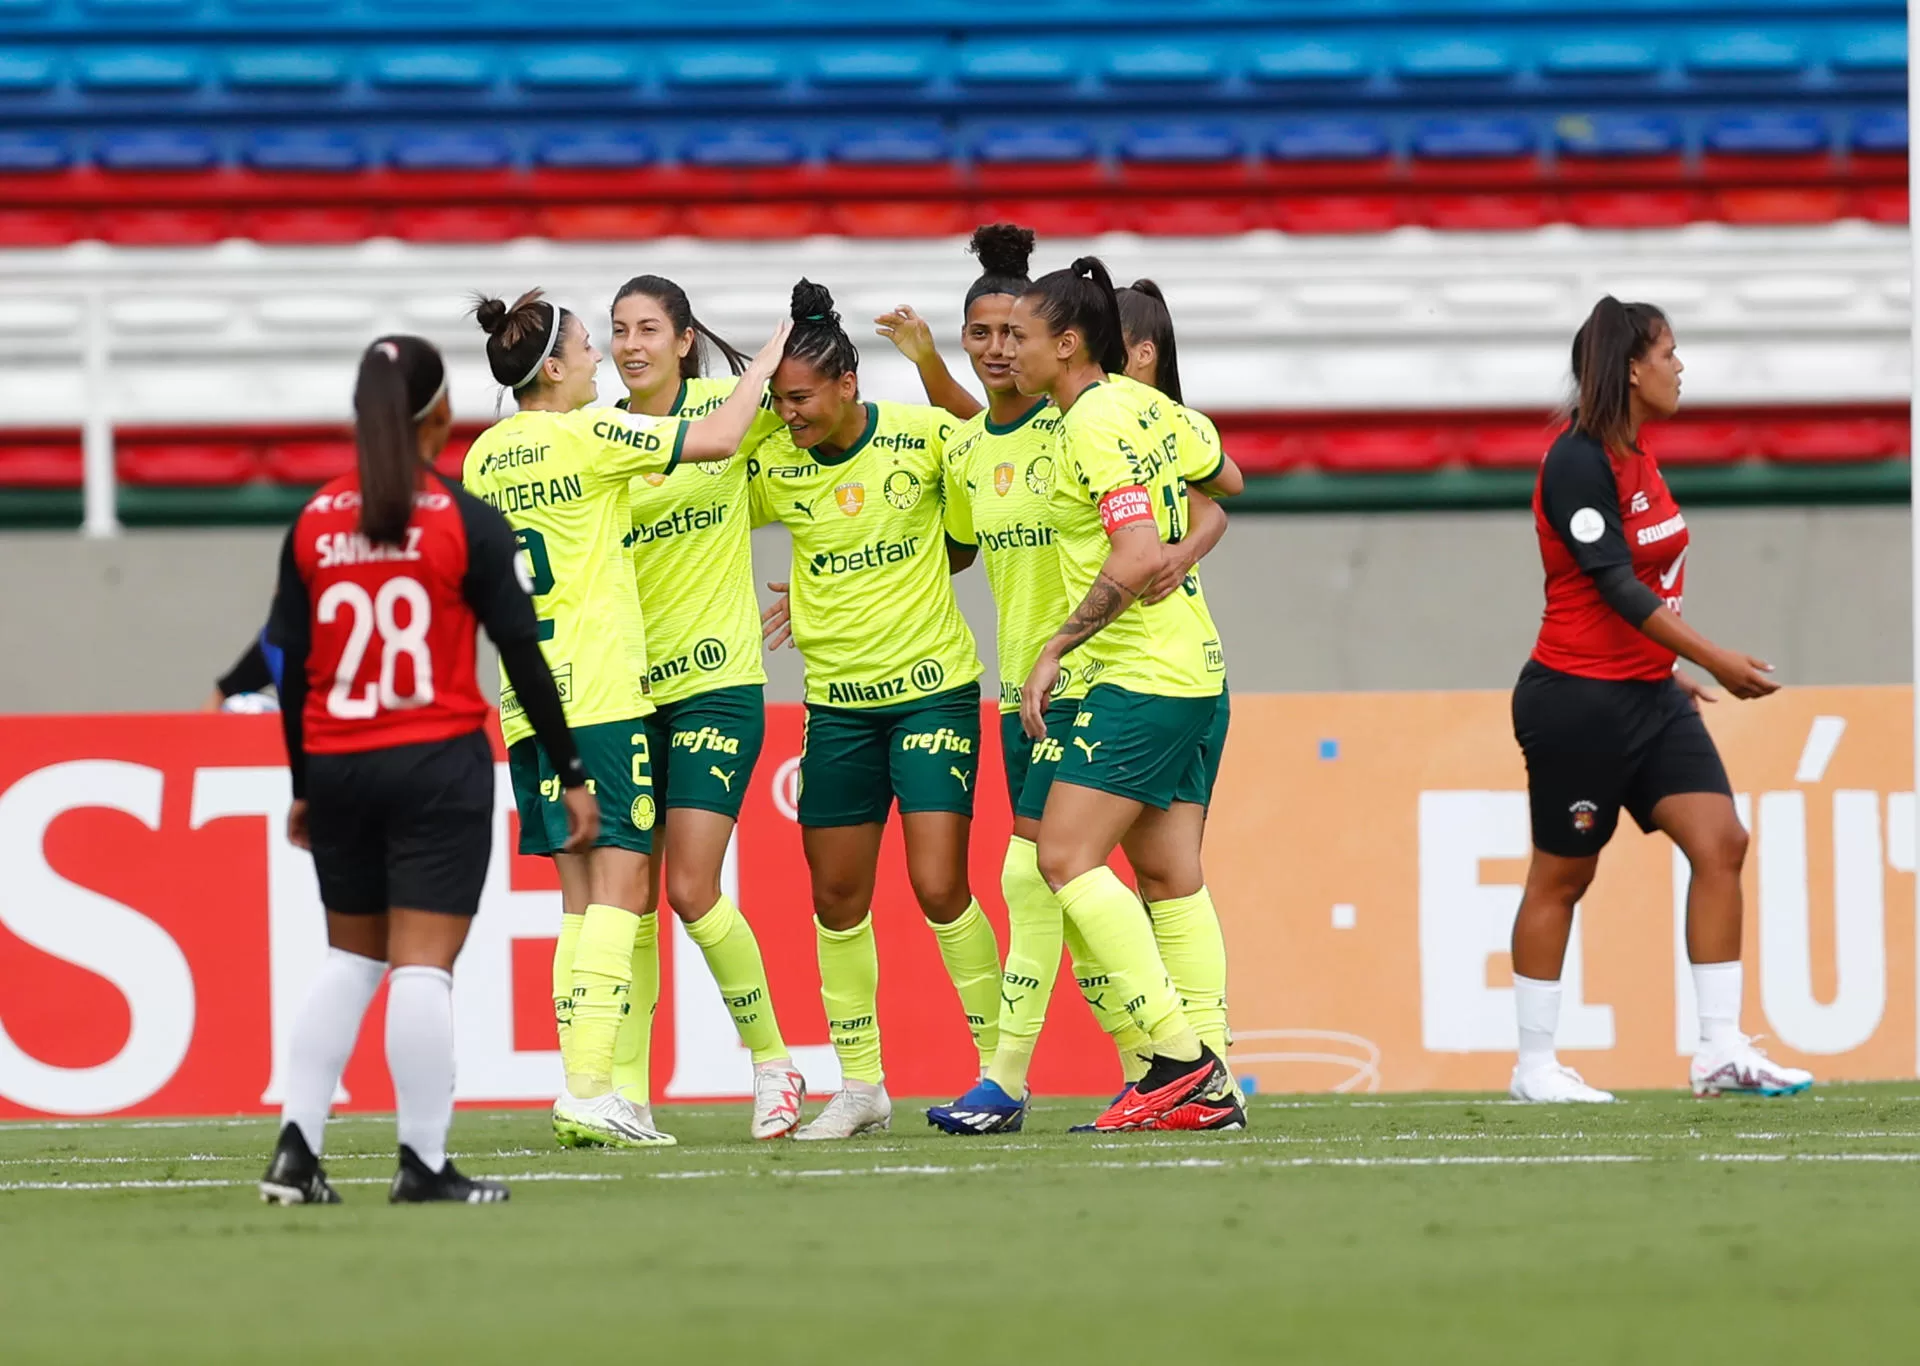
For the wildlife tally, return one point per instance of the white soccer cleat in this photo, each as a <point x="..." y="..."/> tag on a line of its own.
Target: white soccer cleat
<point x="859" y="1108"/>
<point x="609" y="1121"/>
<point x="1555" y="1084"/>
<point x="778" y="1091"/>
<point x="1739" y="1068"/>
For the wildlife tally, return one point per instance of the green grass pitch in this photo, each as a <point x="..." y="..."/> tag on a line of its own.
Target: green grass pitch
<point x="1391" y="1229"/>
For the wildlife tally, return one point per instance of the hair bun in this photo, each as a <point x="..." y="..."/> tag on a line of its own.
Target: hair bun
<point x="813" y="304"/>
<point x="490" y="314"/>
<point x="1003" y="249"/>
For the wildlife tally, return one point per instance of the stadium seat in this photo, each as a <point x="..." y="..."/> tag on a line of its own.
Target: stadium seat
<point x="308" y="460"/>
<point x="1612" y="209"/>
<point x="437" y="69"/>
<point x="310" y="225"/>
<point x="1476" y="150"/>
<point x="449" y="151"/>
<point x="1185" y="156"/>
<point x="304" y="150"/>
<point x="597" y="150"/>
<point x="1162" y="62"/>
<point x="33" y="152"/>
<point x="1454" y="60"/>
<point x="1869" y="58"/>
<point x="1624" y="148"/>
<point x="40" y="460"/>
<point x="1315" y="152"/>
<point x="1308" y="64"/>
<point x="155" y="150"/>
<point x="1611" y="57"/>
<point x="145" y="70"/>
<point x="284" y="69"/>
<point x="1037" y="157"/>
<point x="44" y="227"/>
<point x="1746" y="54"/>
<point x="1779" y="205"/>
<point x="742" y="146"/>
<point x="1490" y="211"/>
<point x="754" y="222"/>
<point x="456" y="223"/>
<point x="724" y="68"/>
<point x="1773" y="145"/>
<point x="1711" y="441"/>
<point x="1030" y="63"/>
<point x="1257" y="450"/>
<point x="1315" y="214"/>
<point x="564" y="69"/>
<point x="25" y="72"/>
<point x="204" y="462"/>
<point x="883" y="159"/>
<point x="888" y="218"/>
<point x="900" y="67"/>
<point x="1067" y="216"/>
<point x="1834" y="440"/>
<point x="1516" y="445"/>
<point x="1187" y="215"/>
<point x="152" y="226"/>
<point x="605" y="222"/>
<point x="1376" y="450"/>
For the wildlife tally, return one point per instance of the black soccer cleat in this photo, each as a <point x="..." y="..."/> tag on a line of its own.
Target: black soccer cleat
<point x="415" y="1184"/>
<point x="294" y="1176"/>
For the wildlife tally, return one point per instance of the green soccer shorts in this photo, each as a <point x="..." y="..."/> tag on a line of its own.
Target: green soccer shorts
<point x="1136" y="745"/>
<point x="617" y="756"/>
<point x="856" y="762"/>
<point x="1031" y="764"/>
<point x="705" y="748"/>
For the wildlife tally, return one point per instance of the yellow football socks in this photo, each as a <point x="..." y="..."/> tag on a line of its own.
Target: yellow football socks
<point x="733" y="956"/>
<point x="1187" y="930"/>
<point x="1103" y="997"/>
<point x="633" y="1047"/>
<point x="601" y="988"/>
<point x="563" y="949"/>
<point x="1109" y="919"/>
<point x="972" y="956"/>
<point x="1033" y="961"/>
<point x="849" y="984"/>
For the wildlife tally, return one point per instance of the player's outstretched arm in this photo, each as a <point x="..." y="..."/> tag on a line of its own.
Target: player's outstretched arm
<point x="912" y="338"/>
<point x="720" y="433"/>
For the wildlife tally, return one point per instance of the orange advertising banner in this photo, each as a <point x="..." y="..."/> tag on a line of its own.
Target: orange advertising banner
<point x="1366" y="852"/>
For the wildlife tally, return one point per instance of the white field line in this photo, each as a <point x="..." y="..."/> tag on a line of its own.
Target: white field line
<point x="330" y="1158"/>
<point x="218" y="1184"/>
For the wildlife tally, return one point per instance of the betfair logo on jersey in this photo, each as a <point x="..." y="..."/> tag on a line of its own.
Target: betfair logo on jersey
<point x="1019" y="536"/>
<point x="942" y="741"/>
<point x="902" y="489"/>
<point x="1003" y="478"/>
<point x="875" y="556"/>
<point x="512" y="458"/>
<point x="538" y="494"/>
<point x="1040" y="475"/>
<point x="706" y="740"/>
<point x="851" y="497"/>
<point x="683" y="521"/>
<point x="610" y="430"/>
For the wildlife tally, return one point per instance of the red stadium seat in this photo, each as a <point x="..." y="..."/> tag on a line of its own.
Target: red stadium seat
<point x="1260" y="450"/>
<point x="1510" y="212"/>
<point x="754" y="222"/>
<point x="163" y="227"/>
<point x="309" y="460"/>
<point x="1834" y="439"/>
<point x="604" y="222"/>
<point x="459" y="223"/>
<point x="1077" y="217"/>
<point x="1709" y="442"/>
<point x="1185" y="216"/>
<point x="208" y="462"/>
<point x="1508" y="446"/>
<point x="43" y="227"/>
<point x="1335" y="213"/>
<point x="40" y="460"/>
<point x="1881" y="203"/>
<point x="1609" y="170"/>
<point x="1780" y="205"/>
<point x="898" y="218"/>
<point x="1373" y="450"/>
<point x="1632" y="208"/>
<point x="310" y="225"/>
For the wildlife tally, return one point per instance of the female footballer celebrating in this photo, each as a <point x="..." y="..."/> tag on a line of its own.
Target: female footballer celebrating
<point x="893" y="703"/>
<point x="1605" y="720"/>
<point x="693" y="566"/>
<point x="560" y="472"/>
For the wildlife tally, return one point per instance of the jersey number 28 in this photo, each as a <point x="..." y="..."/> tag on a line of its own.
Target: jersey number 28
<point x="396" y="641"/>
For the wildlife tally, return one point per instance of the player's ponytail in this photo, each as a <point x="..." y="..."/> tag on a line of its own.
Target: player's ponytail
<point x="1144" y="317"/>
<point x="402" y="381"/>
<point x="817" y="337"/>
<point x="521" y="338"/>
<point x="1613" y="337"/>
<point x="1004" y="251"/>
<point x="674" y="303"/>
<point x="1081" y="298"/>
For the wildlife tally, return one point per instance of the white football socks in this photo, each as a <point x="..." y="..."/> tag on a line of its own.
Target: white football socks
<point x="1537" y="1005"/>
<point x="420" y="1057"/>
<point x="1716" y="989"/>
<point x="323" y="1037"/>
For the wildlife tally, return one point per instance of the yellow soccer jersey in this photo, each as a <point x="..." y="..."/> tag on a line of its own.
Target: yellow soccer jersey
<point x="873" y="607"/>
<point x="693" y="562"/>
<point x="560" y="480"/>
<point x="1120" y="462"/>
<point x="1000" y="482"/>
<point x="1201" y="452"/>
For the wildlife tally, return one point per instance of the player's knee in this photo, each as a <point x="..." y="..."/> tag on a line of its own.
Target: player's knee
<point x="942" y="892"/>
<point x="693" y="893"/>
<point x="1059" y="865"/>
<point x="840" y="902"/>
<point x="1723" y="852"/>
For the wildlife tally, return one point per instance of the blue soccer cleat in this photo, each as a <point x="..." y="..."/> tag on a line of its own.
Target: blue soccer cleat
<point x="986" y="1109"/>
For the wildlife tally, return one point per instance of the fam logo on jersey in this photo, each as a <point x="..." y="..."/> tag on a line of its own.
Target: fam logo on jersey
<point x="642" y="812"/>
<point x="1040" y="475"/>
<point x="1003" y="478"/>
<point x="1583" y="814"/>
<point x="851" y="498"/>
<point x="902" y="489"/>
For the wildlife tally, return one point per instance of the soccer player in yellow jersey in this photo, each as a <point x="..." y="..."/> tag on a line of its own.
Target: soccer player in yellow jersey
<point x="559" y="472"/>
<point x="693" y="565"/>
<point x="1155" y="672"/>
<point x="893" y="699"/>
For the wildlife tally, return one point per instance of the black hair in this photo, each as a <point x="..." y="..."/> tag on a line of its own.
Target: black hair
<point x="401" y="380"/>
<point x="1144" y="318"/>
<point x="1004" y="251"/>
<point x="817" y="337"/>
<point x="1081" y="297"/>
<point x="1613" y="337"/>
<point x="673" y="302"/>
<point x="520" y="338"/>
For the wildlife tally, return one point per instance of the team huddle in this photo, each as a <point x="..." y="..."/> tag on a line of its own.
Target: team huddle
<point x="1084" y="484"/>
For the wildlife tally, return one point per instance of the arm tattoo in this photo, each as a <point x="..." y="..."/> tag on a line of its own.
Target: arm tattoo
<point x="1105" y="601"/>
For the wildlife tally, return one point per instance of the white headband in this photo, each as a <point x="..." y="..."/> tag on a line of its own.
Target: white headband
<point x="438" y="394"/>
<point x="553" y="335"/>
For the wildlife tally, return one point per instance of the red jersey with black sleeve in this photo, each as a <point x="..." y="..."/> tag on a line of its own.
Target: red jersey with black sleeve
<point x="386" y="633"/>
<point x="1614" y="546"/>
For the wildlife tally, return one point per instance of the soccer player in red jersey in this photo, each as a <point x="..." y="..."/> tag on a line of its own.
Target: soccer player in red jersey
<point x="1604" y="718"/>
<point x="383" y="579"/>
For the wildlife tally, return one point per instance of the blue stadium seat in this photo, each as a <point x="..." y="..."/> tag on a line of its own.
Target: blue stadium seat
<point x="1768" y="134"/>
<point x="32" y="152"/>
<point x="1880" y="49"/>
<point x="1746" y="52"/>
<point x="1472" y="139"/>
<point x="156" y="149"/>
<point x="1455" y="59"/>
<point x="308" y="9"/>
<point x="1162" y="63"/>
<point x="724" y="68"/>
<point x="432" y="69"/>
<point x="1330" y="140"/>
<point x="606" y="149"/>
<point x="1033" y="144"/>
<point x="742" y="147"/>
<point x="305" y="150"/>
<point x="141" y="69"/>
<point x="122" y="10"/>
<point x="1612" y="54"/>
<point x="1618" y="135"/>
<point x="1308" y="62"/>
<point x="285" y="69"/>
<point x="450" y="151"/>
<point x="1883" y="133"/>
<point x="1033" y="62"/>
<point x="1181" y="142"/>
<point x="577" y="69"/>
<point x="897" y="145"/>
<point x="22" y="72"/>
<point x="21" y="9"/>
<point x="897" y="66"/>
